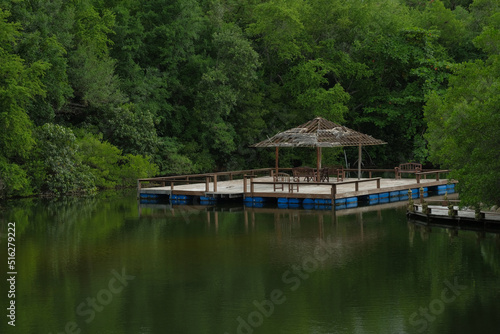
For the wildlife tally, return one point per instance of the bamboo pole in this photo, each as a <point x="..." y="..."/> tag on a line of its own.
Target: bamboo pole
<point x="359" y="162"/>
<point x="318" y="162"/>
<point x="277" y="159"/>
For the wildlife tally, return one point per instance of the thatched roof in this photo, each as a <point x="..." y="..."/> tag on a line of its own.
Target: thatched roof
<point x="319" y="133"/>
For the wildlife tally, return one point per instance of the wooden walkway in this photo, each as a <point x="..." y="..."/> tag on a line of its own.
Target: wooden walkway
<point x="465" y="219"/>
<point x="438" y="211"/>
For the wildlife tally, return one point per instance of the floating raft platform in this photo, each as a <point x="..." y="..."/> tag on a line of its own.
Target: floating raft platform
<point x="254" y="190"/>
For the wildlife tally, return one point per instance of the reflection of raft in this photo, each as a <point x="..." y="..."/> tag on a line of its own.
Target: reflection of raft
<point x="462" y="219"/>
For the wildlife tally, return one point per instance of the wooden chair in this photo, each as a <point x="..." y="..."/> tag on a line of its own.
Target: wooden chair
<point x="324" y="175"/>
<point x="408" y="167"/>
<point x="296" y="174"/>
<point x="306" y="172"/>
<point x="337" y="171"/>
<point x="280" y="177"/>
<point x="284" y="177"/>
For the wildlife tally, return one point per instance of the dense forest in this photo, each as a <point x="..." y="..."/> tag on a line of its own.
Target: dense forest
<point x="96" y="93"/>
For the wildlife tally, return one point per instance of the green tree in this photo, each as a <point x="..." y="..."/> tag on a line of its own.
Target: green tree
<point x="464" y="123"/>
<point x="308" y="83"/>
<point x="45" y="35"/>
<point x="92" y="70"/>
<point x="130" y="128"/>
<point x="225" y="90"/>
<point x="57" y="166"/>
<point x="109" y="166"/>
<point x="279" y="25"/>
<point x="406" y="66"/>
<point x="19" y="84"/>
<point x="452" y="26"/>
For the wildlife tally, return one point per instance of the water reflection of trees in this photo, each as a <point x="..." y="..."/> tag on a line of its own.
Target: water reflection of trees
<point x="212" y="262"/>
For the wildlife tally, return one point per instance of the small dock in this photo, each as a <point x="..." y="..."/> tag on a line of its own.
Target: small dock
<point x="454" y="217"/>
<point x="259" y="186"/>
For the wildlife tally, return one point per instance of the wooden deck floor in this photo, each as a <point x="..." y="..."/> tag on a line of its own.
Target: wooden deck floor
<point x="234" y="188"/>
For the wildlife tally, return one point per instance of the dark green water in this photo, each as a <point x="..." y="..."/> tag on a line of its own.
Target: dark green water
<point x="96" y="266"/>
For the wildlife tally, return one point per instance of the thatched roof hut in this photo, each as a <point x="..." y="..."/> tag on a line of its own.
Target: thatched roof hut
<point x="319" y="133"/>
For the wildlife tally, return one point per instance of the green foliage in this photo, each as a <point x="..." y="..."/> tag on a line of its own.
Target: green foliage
<point x="191" y="84"/>
<point x="134" y="167"/>
<point x="65" y="164"/>
<point x="57" y="160"/>
<point x="46" y="36"/>
<point x="131" y="129"/>
<point x="489" y="39"/>
<point x="94" y="82"/>
<point x="464" y="123"/>
<point x="454" y="35"/>
<point x="14" y="180"/>
<point x="463" y="130"/>
<point x="102" y="158"/>
<point x="19" y="83"/>
<point x="225" y="90"/>
<point x="15" y="134"/>
<point x="170" y="160"/>
<point x="279" y="25"/>
<point x="309" y="84"/>
<point x="410" y="65"/>
<point x="92" y="29"/>
<point x="109" y="167"/>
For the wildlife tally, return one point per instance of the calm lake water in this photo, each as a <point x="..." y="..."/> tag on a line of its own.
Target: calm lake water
<point x="94" y="265"/>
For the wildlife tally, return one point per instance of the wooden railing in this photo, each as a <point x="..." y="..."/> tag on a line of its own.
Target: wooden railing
<point x="212" y="178"/>
<point x="332" y="184"/>
<point x="418" y="175"/>
<point x="206" y="178"/>
<point x="437" y="172"/>
<point x="370" y="171"/>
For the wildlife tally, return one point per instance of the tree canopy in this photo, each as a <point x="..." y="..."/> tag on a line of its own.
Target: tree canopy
<point x="186" y="86"/>
<point x="464" y="122"/>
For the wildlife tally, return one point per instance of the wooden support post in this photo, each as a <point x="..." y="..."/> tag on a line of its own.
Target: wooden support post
<point x="171" y="187"/>
<point x="207" y="183"/>
<point x="359" y="162"/>
<point x="411" y="206"/>
<point x="418" y="177"/>
<point x="251" y="186"/>
<point x="318" y="163"/>
<point x="215" y="183"/>
<point x="277" y="159"/>
<point x="244" y="184"/>
<point x="378" y="183"/>
<point x="334" y="191"/>
<point x="437" y="176"/>
<point x="356" y="186"/>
